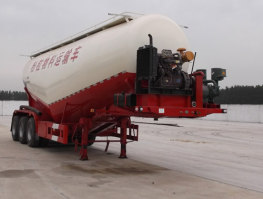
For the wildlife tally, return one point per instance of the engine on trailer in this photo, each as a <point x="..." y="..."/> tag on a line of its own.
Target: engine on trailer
<point x="162" y="73"/>
<point x="170" y="73"/>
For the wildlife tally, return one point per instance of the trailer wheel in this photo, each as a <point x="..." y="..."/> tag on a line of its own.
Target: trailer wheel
<point x="32" y="137"/>
<point x="43" y="142"/>
<point x="22" y="129"/>
<point x="14" y="127"/>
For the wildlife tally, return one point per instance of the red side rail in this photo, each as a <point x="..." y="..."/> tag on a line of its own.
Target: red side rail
<point x="53" y="131"/>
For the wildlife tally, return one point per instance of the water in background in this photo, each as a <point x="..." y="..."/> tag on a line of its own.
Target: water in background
<point x="235" y="113"/>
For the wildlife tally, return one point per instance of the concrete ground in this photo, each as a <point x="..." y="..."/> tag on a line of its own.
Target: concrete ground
<point x="188" y="159"/>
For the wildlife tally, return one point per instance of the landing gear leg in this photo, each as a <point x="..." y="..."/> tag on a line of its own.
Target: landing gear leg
<point x="124" y="123"/>
<point x="86" y="125"/>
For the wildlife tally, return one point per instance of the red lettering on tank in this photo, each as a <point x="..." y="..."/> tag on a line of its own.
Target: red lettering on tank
<point x="52" y="60"/>
<point x="59" y="59"/>
<point x="33" y="66"/>
<point x="66" y="57"/>
<point x="62" y="58"/>
<point x="75" y="54"/>
<point x="39" y="64"/>
<point x="45" y="63"/>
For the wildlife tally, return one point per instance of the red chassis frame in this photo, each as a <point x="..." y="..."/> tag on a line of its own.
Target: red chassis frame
<point x="78" y="117"/>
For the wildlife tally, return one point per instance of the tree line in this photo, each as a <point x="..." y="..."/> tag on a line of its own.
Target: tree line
<point x="241" y="95"/>
<point x="228" y="95"/>
<point x="13" y="95"/>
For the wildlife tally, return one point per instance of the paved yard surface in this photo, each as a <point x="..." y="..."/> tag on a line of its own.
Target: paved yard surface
<point x="188" y="159"/>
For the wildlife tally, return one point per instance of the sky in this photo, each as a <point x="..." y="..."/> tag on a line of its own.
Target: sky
<point x="224" y="33"/>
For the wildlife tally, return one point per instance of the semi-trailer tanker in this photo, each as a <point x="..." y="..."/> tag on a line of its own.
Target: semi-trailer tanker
<point x="91" y="84"/>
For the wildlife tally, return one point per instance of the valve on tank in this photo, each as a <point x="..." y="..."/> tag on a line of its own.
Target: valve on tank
<point x="211" y="87"/>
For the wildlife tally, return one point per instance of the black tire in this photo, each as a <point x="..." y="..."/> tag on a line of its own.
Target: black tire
<point x="32" y="137"/>
<point x="22" y="130"/>
<point x="15" y="127"/>
<point x="43" y="142"/>
<point x="91" y="138"/>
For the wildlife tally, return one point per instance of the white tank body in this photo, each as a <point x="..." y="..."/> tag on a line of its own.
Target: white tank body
<point x="58" y="73"/>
